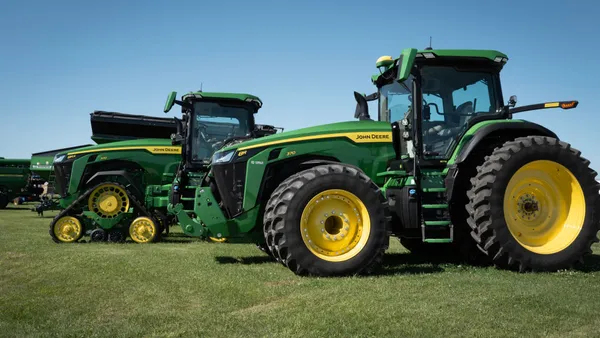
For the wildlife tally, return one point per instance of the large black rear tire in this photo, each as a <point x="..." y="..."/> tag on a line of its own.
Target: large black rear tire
<point x="329" y="220"/>
<point x="534" y="205"/>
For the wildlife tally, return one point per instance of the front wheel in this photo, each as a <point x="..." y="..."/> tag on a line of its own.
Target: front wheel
<point x="329" y="220"/>
<point x="534" y="205"/>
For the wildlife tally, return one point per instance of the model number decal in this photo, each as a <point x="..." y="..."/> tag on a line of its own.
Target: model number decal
<point x="291" y="153"/>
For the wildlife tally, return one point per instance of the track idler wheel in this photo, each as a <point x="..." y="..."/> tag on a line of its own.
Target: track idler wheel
<point x="144" y="230"/>
<point x="67" y="229"/>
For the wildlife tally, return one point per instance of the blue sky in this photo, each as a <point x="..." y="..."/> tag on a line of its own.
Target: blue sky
<point x="61" y="60"/>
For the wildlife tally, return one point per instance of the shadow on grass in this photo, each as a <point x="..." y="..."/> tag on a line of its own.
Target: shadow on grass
<point x="244" y="260"/>
<point x="411" y="264"/>
<point x="591" y="263"/>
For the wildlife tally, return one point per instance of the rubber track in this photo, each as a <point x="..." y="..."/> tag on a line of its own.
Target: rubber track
<point x="136" y="204"/>
<point x="478" y="207"/>
<point x="277" y="207"/>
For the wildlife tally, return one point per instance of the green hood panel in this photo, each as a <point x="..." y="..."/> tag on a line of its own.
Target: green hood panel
<point x="358" y="131"/>
<point x="155" y="146"/>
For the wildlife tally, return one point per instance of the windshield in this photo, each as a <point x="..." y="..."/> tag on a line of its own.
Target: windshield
<point x="451" y="98"/>
<point x="395" y="100"/>
<point x="214" y="123"/>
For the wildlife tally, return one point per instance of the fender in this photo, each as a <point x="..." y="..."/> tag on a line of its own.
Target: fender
<point x="122" y="173"/>
<point x="504" y="130"/>
<point x="275" y="172"/>
<point x="520" y="128"/>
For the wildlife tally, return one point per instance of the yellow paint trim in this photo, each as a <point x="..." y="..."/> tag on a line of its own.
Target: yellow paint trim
<point x="362" y="137"/>
<point x="12" y="175"/>
<point x="151" y="149"/>
<point x="551" y="104"/>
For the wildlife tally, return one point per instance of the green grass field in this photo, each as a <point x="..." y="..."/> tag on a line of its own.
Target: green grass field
<point x="185" y="287"/>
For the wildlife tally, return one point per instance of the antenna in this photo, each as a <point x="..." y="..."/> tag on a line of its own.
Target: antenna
<point x="429" y="48"/>
<point x="201" y="87"/>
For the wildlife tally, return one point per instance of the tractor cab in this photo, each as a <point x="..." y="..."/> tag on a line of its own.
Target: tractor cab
<point x="432" y="97"/>
<point x="210" y="121"/>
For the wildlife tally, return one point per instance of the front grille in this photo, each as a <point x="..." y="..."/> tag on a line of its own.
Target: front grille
<point x="62" y="173"/>
<point x="230" y="179"/>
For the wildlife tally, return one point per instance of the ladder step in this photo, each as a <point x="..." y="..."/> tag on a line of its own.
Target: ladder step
<point x="437" y="223"/>
<point x="437" y="240"/>
<point x="435" y="206"/>
<point x="434" y="189"/>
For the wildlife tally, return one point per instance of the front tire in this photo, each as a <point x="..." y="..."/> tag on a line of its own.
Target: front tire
<point x="534" y="205"/>
<point x="329" y="220"/>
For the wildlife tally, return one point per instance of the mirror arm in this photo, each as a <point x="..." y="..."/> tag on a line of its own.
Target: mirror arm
<point x="183" y="104"/>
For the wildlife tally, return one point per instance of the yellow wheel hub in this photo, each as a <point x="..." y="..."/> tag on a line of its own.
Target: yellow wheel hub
<point x="108" y="201"/>
<point x="544" y="207"/>
<point x="68" y="229"/>
<point x="335" y="225"/>
<point x="143" y="230"/>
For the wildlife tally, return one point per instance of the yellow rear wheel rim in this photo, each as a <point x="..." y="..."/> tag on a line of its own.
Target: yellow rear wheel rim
<point x="68" y="229"/>
<point x="335" y="225"/>
<point x="544" y="207"/>
<point x="143" y="230"/>
<point x="108" y="201"/>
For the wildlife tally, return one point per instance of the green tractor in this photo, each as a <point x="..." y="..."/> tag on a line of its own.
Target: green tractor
<point x="119" y="187"/>
<point x="14" y="179"/>
<point x="444" y="167"/>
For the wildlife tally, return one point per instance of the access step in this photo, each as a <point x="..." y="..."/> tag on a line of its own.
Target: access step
<point x="437" y="223"/>
<point x="434" y="189"/>
<point x="435" y="206"/>
<point x="437" y="240"/>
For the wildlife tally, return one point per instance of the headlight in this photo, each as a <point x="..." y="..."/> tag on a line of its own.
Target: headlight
<point x="223" y="157"/>
<point x="58" y="158"/>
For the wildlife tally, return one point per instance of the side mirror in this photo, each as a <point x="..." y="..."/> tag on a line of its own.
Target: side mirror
<point x="362" y="107"/>
<point x="170" y="102"/>
<point x="512" y="101"/>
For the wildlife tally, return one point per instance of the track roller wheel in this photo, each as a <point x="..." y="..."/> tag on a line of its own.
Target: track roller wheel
<point x="116" y="236"/>
<point x="144" y="230"/>
<point x="67" y="229"/>
<point x="329" y="220"/>
<point x="108" y="200"/>
<point x="534" y="205"/>
<point x="98" y="235"/>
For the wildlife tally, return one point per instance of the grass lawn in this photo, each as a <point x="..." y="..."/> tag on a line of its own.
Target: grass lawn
<point x="185" y="287"/>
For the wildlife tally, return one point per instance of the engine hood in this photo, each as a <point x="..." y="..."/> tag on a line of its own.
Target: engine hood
<point x="155" y="146"/>
<point x="358" y="131"/>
